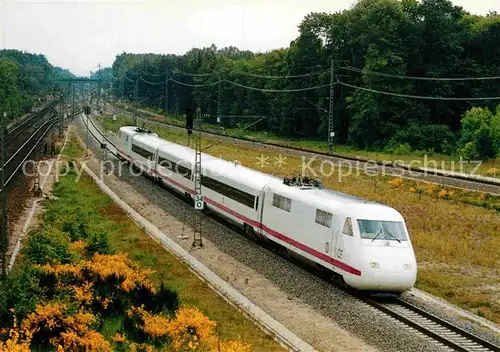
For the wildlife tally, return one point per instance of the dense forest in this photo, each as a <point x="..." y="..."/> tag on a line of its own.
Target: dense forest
<point x="24" y="80"/>
<point x="407" y="48"/>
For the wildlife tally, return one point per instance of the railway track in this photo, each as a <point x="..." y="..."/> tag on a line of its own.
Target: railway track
<point x="441" y="177"/>
<point x="439" y="330"/>
<point x="15" y="130"/>
<point x="447" y="334"/>
<point x="23" y="141"/>
<point x="27" y="148"/>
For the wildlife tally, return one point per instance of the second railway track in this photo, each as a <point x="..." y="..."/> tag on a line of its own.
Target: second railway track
<point x="447" y="334"/>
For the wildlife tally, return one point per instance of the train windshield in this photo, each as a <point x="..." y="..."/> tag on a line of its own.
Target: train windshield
<point x="382" y="230"/>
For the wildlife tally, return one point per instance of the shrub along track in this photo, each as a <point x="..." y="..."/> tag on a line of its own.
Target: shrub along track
<point x="440" y="177"/>
<point x="439" y="330"/>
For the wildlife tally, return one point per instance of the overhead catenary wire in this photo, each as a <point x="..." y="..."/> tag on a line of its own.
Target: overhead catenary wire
<point x="148" y="82"/>
<point x="243" y="73"/>
<point x="265" y="90"/>
<point x="195" y="85"/>
<point x="269" y="90"/>
<point x="417" y="96"/>
<point x="389" y="75"/>
<point x="193" y="74"/>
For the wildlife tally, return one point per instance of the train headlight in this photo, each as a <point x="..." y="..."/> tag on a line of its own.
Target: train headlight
<point x="374" y="265"/>
<point x="407" y="267"/>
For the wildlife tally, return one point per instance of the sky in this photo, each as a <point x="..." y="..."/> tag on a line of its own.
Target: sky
<point x="80" y="35"/>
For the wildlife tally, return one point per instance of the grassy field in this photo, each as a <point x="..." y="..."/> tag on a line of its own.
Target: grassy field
<point x="490" y="168"/>
<point x="457" y="244"/>
<point x="82" y="200"/>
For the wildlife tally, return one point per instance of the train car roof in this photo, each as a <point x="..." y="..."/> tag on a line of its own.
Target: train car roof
<point x="239" y="173"/>
<point x="183" y="152"/>
<point x="147" y="139"/>
<point x="338" y="202"/>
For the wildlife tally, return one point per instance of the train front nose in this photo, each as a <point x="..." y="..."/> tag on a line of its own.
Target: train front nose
<point x="396" y="273"/>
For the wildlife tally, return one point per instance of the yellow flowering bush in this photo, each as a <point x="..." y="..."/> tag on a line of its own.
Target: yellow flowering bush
<point x="445" y="194"/>
<point x="233" y="346"/>
<point x="15" y="342"/>
<point x="78" y="247"/>
<point x="54" y="324"/>
<point x="85" y="278"/>
<point x="152" y="325"/>
<point x="396" y="182"/>
<point x="431" y="189"/>
<point x="492" y="171"/>
<point x="191" y="328"/>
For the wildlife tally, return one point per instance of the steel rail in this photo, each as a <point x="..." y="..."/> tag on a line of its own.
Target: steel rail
<point x="15" y="131"/>
<point x="428" y="324"/>
<point x="28" y="140"/>
<point x="29" y="153"/>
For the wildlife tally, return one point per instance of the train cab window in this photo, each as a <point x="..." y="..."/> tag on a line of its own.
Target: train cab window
<point x="323" y="218"/>
<point x="126" y="138"/>
<point x="282" y="202"/>
<point x="348" y="227"/>
<point x="256" y="203"/>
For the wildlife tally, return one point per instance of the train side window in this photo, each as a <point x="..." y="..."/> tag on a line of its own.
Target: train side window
<point x="257" y="203"/>
<point x="142" y="152"/>
<point x="282" y="202"/>
<point x="348" y="227"/>
<point x="323" y="218"/>
<point x="229" y="191"/>
<point x="175" y="167"/>
<point x="126" y="138"/>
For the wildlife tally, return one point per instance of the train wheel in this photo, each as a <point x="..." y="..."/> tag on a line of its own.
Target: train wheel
<point x="249" y="232"/>
<point x="206" y="211"/>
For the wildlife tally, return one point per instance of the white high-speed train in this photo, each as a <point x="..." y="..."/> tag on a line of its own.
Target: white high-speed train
<point x="365" y="243"/>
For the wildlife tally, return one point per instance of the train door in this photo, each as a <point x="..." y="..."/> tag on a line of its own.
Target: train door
<point x="336" y="235"/>
<point x="128" y="143"/>
<point x="261" y="208"/>
<point x="344" y="239"/>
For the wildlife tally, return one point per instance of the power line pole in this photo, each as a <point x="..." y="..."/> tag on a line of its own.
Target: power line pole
<point x="331" y="133"/>
<point x="219" y="101"/>
<point x="135" y="101"/>
<point x="199" y="202"/>
<point x="61" y="102"/>
<point x="4" y="200"/>
<point x="98" y="87"/>
<point x="73" y="104"/>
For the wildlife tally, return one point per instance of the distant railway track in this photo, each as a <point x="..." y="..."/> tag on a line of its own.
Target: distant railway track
<point x="441" y="177"/>
<point x="20" y="126"/>
<point x="441" y="331"/>
<point x="16" y="161"/>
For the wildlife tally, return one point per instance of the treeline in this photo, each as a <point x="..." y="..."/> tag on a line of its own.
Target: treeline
<point x="400" y="39"/>
<point x="25" y="79"/>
